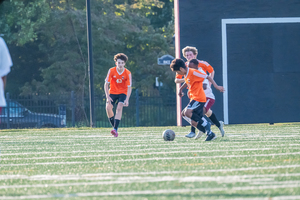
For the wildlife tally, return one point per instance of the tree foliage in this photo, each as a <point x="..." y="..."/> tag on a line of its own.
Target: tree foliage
<point x="56" y="33"/>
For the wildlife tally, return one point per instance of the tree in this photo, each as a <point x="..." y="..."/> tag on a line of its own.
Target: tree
<point x="59" y="43"/>
<point x="20" y="19"/>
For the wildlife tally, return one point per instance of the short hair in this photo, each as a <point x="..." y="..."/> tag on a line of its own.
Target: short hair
<point x="176" y="64"/>
<point x="121" y="56"/>
<point x="194" y="61"/>
<point x="189" y="48"/>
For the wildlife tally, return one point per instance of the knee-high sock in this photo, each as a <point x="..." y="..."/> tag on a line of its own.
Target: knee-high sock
<point x="200" y="127"/>
<point x="193" y="129"/>
<point x="117" y="121"/>
<point x="201" y="122"/>
<point x="196" y="117"/>
<point x="214" y="119"/>
<point x="112" y="121"/>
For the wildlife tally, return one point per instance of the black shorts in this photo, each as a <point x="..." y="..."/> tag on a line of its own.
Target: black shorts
<point x="117" y="98"/>
<point x="197" y="107"/>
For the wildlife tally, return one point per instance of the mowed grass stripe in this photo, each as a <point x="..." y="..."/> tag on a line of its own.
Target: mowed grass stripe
<point x="110" y="176"/>
<point x="190" y="146"/>
<point x="145" y="179"/>
<point x="87" y="139"/>
<point x="188" y="142"/>
<point x="155" y="192"/>
<point x="274" y="161"/>
<point x="150" y="152"/>
<point x="155" y="159"/>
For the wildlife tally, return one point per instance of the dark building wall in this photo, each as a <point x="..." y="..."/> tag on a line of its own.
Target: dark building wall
<point x="263" y="59"/>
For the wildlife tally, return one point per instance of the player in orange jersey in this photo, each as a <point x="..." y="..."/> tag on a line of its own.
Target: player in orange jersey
<point x="191" y="53"/>
<point x="119" y="79"/>
<point x="210" y="100"/>
<point x="194" y="79"/>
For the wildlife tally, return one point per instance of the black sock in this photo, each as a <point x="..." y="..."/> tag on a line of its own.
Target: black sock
<point x="195" y="117"/>
<point x="117" y="121"/>
<point x="193" y="129"/>
<point x="214" y="119"/>
<point x="112" y="121"/>
<point x="200" y="127"/>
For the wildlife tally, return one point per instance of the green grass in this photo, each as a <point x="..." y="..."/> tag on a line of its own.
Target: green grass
<point x="251" y="161"/>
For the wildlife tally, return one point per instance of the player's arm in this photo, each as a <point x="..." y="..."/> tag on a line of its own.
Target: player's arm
<point x="4" y="81"/>
<point x="106" y="89"/>
<point x="126" y="102"/>
<point x="204" y="86"/>
<point x="179" y="80"/>
<point x="212" y="75"/>
<point x="220" y="88"/>
<point x="211" y="71"/>
<point x="180" y="93"/>
<point x="129" y="81"/>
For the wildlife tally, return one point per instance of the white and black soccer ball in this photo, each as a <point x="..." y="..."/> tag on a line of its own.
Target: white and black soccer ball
<point x="168" y="135"/>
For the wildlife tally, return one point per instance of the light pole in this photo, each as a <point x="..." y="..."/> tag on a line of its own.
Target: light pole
<point x="90" y="68"/>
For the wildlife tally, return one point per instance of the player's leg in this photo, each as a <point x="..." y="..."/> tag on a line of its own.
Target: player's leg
<point x="119" y="111"/>
<point x="209" y="103"/>
<point x="197" y="115"/>
<point x="195" y="112"/>
<point x="109" y="110"/>
<point x="192" y="133"/>
<point x="193" y="129"/>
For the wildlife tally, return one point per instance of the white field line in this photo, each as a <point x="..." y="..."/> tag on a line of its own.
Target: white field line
<point x="153" y="192"/>
<point x="292" y="197"/>
<point x="266" y="182"/>
<point x="85" y="134"/>
<point x="139" y="138"/>
<point x="147" y="145"/>
<point x="139" y="154"/>
<point x="151" y="159"/>
<point x="111" y="176"/>
<point x="130" y="180"/>
<point x="146" y="135"/>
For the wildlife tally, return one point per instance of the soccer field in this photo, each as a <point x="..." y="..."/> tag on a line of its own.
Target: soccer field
<point x="251" y="162"/>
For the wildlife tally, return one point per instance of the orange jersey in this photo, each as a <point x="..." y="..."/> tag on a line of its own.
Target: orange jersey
<point x="119" y="82"/>
<point x="205" y="66"/>
<point x="194" y="79"/>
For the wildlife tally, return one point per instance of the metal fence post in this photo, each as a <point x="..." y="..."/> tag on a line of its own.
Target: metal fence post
<point x="137" y="107"/>
<point x="159" y="105"/>
<point x="73" y="108"/>
<point x="7" y="109"/>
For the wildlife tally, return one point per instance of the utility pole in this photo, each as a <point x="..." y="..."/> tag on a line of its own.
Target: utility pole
<point x="90" y="68"/>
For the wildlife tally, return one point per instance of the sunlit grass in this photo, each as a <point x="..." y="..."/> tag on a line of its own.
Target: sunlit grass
<point x="251" y="161"/>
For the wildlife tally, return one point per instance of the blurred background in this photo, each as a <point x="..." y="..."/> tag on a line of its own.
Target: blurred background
<point x="47" y="40"/>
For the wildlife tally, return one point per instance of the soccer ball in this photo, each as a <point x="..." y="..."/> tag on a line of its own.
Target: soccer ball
<point x="168" y="135"/>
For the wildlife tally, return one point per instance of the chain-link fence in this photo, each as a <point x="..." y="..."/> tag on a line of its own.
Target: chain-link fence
<point x="154" y="108"/>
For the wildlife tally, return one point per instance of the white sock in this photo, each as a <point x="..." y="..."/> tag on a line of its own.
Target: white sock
<point x="187" y="119"/>
<point x="204" y="122"/>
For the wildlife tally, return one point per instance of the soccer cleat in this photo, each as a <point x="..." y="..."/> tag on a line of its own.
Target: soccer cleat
<point x="200" y="133"/>
<point x="207" y="128"/>
<point x="190" y="135"/>
<point x="114" y="133"/>
<point x="211" y="137"/>
<point x="222" y="128"/>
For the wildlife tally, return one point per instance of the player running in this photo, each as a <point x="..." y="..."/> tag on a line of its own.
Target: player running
<point x="119" y="79"/>
<point x="194" y="79"/>
<point x="210" y="100"/>
<point x="191" y="53"/>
